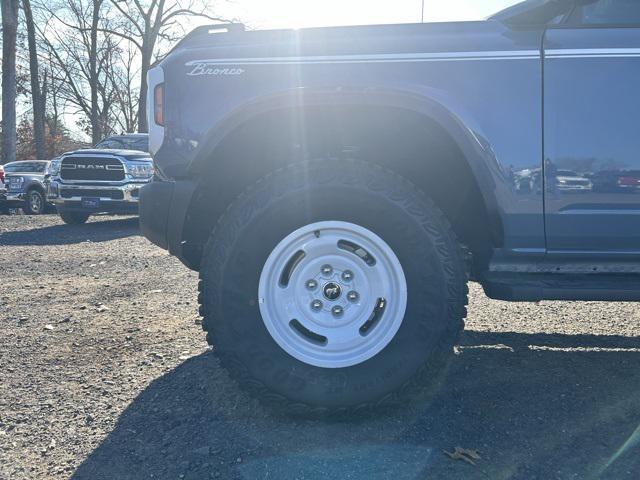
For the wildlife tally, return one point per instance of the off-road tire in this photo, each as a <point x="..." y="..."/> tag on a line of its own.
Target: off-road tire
<point x="74" y="218"/>
<point x="336" y="190"/>
<point x="27" y="203"/>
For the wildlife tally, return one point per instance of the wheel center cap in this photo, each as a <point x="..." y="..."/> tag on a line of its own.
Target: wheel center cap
<point x="331" y="291"/>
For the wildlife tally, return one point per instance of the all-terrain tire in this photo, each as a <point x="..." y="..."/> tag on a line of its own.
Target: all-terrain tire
<point x="345" y="191"/>
<point x="74" y="218"/>
<point x="35" y="203"/>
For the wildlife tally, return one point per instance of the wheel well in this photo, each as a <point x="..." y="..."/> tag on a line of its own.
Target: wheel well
<point x="37" y="187"/>
<point x="414" y="146"/>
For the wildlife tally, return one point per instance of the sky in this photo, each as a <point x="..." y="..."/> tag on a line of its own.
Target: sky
<point x="313" y="13"/>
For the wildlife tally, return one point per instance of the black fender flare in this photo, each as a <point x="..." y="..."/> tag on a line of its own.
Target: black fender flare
<point x="452" y="118"/>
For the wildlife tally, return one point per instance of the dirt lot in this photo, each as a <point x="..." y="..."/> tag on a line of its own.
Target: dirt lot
<point x="105" y="374"/>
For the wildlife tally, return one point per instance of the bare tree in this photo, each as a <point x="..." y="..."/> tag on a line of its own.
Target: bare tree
<point x="82" y="51"/>
<point x="146" y="23"/>
<point x="88" y="60"/>
<point x="54" y="107"/>
<point x="9" y="35"/>
<point x="38" y="94"/>
<point x="58" y="135"/>
<point x="123" y="76"/>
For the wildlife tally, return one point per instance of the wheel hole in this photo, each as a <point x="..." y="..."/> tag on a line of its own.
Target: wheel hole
<point x="374" y="318"/>
<point x="357" y="250"/>
<point x="307" y="334"/>
<point x="289" y="267"/>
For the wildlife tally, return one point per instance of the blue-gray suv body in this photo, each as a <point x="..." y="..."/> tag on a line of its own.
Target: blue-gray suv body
<point x="411" y="157"/>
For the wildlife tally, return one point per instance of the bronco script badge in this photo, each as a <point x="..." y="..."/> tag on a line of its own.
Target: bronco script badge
<point x="202" y="68"/>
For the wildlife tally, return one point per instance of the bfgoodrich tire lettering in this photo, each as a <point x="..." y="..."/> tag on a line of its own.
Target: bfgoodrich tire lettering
<point x="343" y="191"/>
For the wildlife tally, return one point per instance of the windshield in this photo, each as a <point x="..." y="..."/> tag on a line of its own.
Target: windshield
<point x="125" y="143"/>
<point x="534" y="12"/>
<point x="26" y="167"/>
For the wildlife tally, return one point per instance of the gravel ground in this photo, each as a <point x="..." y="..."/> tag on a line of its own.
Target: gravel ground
<point x="105" y="374"/>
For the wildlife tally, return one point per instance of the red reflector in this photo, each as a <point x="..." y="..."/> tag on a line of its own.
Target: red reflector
<point x="629" y="181"/>
<point x="158" y="104"/>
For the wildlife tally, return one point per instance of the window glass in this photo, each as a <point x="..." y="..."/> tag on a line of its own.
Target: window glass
<point x="142" y="145"/>
<point x="127" y="143"/>
<point x="40" y="167"/>
<point x="18" y="168"/>
<point x="25" y="167"/>
<point x="611" y="12"/>
<point x="109" y="143"/>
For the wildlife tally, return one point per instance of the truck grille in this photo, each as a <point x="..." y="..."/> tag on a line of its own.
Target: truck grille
<point x="104" y="169"/>
<point x="87" y="192"/>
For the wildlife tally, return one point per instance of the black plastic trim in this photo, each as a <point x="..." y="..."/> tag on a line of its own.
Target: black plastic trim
<point x="534" y="287"/>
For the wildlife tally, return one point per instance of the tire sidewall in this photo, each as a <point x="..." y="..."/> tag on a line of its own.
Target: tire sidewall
<point x="71" y="217"/>
<point x="327" y="191"/>
<point x="28" y="208"/>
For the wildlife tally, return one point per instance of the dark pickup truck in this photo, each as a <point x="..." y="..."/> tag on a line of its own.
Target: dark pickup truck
<point x="25" y="184"/>
<point x="337" y="188"/>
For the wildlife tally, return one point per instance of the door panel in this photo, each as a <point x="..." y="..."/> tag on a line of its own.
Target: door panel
<point x="592" y="139"/>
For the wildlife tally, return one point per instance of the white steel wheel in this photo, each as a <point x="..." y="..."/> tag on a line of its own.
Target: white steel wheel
<point x="332" y="294"/>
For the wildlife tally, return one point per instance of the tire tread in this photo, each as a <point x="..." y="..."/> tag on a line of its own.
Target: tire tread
<point x="449" y="247"/>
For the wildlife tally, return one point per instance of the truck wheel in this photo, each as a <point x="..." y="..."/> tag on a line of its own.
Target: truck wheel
<point x="332" y="285"/>
<point x="34" y="203"/>
<point x="73" y="218"/>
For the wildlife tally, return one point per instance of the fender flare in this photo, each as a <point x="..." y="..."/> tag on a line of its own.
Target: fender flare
<point x="429" y="104"/>
<point x="36" y="186"/>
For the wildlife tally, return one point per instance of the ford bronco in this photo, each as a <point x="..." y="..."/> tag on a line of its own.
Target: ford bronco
<point x="336" y="188"/>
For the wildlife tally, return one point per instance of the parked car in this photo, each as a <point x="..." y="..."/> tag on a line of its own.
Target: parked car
<point x="24" y="181"/>
<point x="336" y="188"/>
<point x="616" y="181"/>
<point x="104" y="179"/>
<point x="569" y="180"/>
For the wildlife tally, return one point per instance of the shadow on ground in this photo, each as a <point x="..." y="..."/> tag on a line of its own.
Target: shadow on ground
<point x="536" y="406"/>
<point x="95" y="230"/>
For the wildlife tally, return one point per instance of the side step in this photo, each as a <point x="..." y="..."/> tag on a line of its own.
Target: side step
<point x="531" y="287"/>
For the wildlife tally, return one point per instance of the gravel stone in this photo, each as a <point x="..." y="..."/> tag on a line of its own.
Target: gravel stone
<point x="545" y="390"/>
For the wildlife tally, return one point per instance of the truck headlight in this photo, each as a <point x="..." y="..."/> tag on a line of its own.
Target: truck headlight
<point x="54" y="167"/>
<point x="141" y="170"/>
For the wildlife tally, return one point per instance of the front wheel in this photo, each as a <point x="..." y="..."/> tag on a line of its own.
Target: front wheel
<point x="332" y="285"/>
<point x="73" y="218"/>
<point x="35" y="203"/>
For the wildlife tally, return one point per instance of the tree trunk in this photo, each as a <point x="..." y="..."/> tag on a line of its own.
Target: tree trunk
<point x="143" y="126"/>
<point x="9" y="32"/>
<point x="96" y="126"/>
<point x="37" y="96"/>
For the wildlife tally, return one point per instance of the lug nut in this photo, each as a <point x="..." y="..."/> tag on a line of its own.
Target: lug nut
<point x="316" y="305"/>
<point x="326" y="269"/>
<point x="347" y="275"/>
<point x="311" y="284"/>
<point x="353" y="296"/>
<point x="337" y="311"/>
